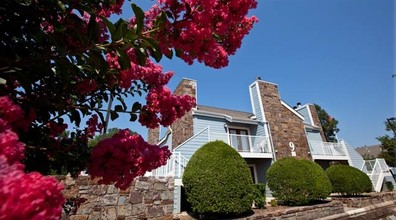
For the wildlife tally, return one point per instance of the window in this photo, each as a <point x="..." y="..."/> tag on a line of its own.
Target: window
<point x="252" y="168"/>
<point x="239" y="139"/>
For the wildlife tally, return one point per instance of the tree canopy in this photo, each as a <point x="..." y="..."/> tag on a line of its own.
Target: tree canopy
<point x="329" y="124"/>
<point x="388" y="144"/>
<point x="64" y="59"/>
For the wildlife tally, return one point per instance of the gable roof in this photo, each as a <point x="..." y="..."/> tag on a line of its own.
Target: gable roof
<point x="373" y="150"/>
<point x="230" y="115"/>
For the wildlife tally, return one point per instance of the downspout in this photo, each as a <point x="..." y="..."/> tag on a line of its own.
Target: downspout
<point x="228" y="133"/>
<point x="270" y="140"/>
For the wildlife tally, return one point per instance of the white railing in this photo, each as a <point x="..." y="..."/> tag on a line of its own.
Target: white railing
<point x="376" y="169"/>
<point x="174" y="166"/>
<point x="327" y="148"/>
<point x="243" y="143"/>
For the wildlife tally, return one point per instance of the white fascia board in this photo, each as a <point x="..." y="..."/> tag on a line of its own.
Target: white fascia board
<point x="167" y="133"/>
<point x="225" y="117"/>
<point x="292" y="110"/>
<point x="328" y="157"/>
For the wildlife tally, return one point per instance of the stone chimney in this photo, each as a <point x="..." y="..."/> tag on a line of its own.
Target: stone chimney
<point x="182" y="128"/>
<point x="286" y="127"/>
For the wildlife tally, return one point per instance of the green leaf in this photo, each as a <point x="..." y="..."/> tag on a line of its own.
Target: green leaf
<point x="139" y="18"/>
<point x="123" y="59"/>
<point x="118" y="108"/>
<point x="154" y="48"/>
<point x="142" y="57"/>
<point x="75" y="117"/>
<point x="124" y="106"/>
<point x="114" y="115"/>
<point x="133" y="117"/>
<point x="120" y="26"/>
<point x="109" y="25"/>
<point x="93" y="29"/>
<point x="136" y="106"/>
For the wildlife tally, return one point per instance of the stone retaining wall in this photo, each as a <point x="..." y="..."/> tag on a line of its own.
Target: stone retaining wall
<point x="302" y="212"/>
<point x="146" y="198"/>
<point x="367" y="199"/>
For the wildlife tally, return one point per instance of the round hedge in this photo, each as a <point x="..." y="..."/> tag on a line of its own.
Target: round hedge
<point x="348" y="180"/>
<point x="217" y="181"/>
<point x="298" y="182"/>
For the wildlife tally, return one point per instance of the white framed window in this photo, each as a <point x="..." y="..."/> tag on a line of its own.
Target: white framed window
<point x="239" y="139"/>
<point x="253" y="172"/>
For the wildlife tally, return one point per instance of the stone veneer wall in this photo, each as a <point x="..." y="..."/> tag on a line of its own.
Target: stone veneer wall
<point x="316" y="120"/>
<point x="182" y="128"/>
<point x="153" y="135"/>
<point x="284" y="124"/>
<point x="146" y="198"/>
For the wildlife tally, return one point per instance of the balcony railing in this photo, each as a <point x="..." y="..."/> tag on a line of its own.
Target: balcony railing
<point x="327" y="148"/>
<point x="174" y="167"/>
<point x="243" y="143"/>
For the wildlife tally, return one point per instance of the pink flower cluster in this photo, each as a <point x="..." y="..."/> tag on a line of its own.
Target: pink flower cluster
<point x="10" y="115"/>
<point x="93" y="126"/>
<point x="164" y="108"/>
<point x="28" y="195"/>
<point x="206" y="30"/>
<point x="23" y="195"/>
<point x="123" y="157"/>
<point x="56" y="129"/>
<point x="86" y="86"/>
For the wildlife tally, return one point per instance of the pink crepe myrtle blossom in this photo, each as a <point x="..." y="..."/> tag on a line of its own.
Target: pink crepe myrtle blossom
<point x="28" y="195"/>
<point x="123" y="157"/>
<point x="204" y="30"/>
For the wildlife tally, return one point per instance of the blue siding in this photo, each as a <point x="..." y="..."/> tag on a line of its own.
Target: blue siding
<point x="190" y="146"/>
<point x="216" y="124"/>
<point x="257" y="109"/>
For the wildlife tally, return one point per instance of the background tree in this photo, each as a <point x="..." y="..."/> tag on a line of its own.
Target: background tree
<point x="329" y="124"/>
<point x="388" y="144"/>
<point x="64" y="59"/>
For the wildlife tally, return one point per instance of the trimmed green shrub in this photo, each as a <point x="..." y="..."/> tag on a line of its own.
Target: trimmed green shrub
<point x="259" y="195"/>
<point x="348" y="180"/>
<point x="217" y="181"/>
<point x="298" y="182"/>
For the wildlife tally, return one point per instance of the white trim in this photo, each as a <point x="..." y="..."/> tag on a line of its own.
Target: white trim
<point x="328" y="157"/>
<point x="292" y="110"/>
<point x="225" y="117"/>
<point x="167" y="133"/>
<point x="261" y="106"/>
<point x="254" y="172"/>
<point x="310" y="115"/>
<point x="256" y="155"/>
<point x="238" y="128"/>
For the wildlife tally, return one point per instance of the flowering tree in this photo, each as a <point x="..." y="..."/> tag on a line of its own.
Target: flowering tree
<point x="65" y="59"/>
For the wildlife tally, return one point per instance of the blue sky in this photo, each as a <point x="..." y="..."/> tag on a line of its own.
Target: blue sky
<point x="339" y="54"/>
